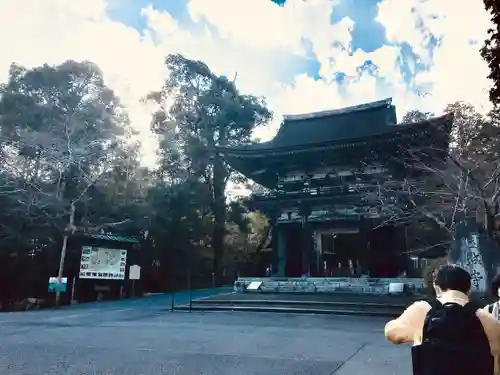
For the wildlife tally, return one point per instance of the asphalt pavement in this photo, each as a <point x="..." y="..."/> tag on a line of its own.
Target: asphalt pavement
<point x="142" y="337"/>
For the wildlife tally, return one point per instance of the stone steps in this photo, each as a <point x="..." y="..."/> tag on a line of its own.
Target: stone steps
<point x="291" y="310"/>
<point x="305" y="304"/>
<point x="330" y="285"/>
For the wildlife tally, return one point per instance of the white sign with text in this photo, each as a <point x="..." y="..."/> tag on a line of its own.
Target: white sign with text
<point x="134" y="272"/>
<point x="103" y="263"/>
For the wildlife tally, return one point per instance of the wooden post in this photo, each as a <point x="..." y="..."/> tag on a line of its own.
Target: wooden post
<point x="61" y="267"/>
<point x="69" y="229"/>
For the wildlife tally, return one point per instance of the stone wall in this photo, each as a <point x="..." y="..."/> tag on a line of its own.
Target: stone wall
<point x="330" y="285"/>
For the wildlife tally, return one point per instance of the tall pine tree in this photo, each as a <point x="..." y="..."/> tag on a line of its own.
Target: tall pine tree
<point x="491" y="49"/>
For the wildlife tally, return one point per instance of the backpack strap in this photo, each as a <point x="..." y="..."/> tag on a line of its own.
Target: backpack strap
<point x="471" y="307"/>
<point x="435" y="304"/>
<point x="490" y="308"/>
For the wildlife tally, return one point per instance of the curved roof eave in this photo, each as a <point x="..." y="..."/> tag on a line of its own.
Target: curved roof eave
<point x="266" y="147"/>
<point x="385" y="103"/>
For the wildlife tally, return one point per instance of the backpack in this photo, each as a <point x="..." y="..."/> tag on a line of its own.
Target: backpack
<point x="453" y="342"/>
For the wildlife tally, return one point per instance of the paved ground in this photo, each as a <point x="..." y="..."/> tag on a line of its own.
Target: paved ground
<point x="141" y="337"/>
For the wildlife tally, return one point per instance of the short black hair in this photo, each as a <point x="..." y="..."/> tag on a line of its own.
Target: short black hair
<point x="495" y="285"/>
<point x="452" y="277"/>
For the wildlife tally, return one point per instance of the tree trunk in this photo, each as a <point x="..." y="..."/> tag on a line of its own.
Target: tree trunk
<point x="219" y="178"/>
<point x="33" y="180"/>
<point x="67" y="232"/>
<point x="219" y="218"/>
<point x="263" y="240"/>
<point x="489" y="223"/>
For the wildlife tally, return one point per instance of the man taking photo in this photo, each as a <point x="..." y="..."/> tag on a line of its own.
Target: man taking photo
<point x="450" y="334"/>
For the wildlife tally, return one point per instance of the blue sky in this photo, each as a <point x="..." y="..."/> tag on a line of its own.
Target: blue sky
<point x="128" y="11"/>
<point x="303" y="56"/>
<point x="367" y="34"/>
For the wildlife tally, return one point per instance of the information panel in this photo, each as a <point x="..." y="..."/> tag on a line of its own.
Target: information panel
<point x="103" y="263"/>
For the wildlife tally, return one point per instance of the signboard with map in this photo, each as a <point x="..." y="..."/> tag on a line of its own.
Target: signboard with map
<point x="103" y="263"/>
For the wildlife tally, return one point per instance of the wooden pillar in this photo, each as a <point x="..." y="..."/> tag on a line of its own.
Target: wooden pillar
<point x="318" y="255"/>
<point x="314" y="267"/>
<point x="281" y="251"/>
<point x="306" y="243"/>
<point x="278" y="243"/>
<point x="304" y="248"/>
<point x="364" y="254"/>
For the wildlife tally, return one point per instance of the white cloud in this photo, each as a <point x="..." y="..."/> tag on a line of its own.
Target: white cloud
<point x="234" y="19"/>
<point x="456" y="69"/>
<point x="254" y="55"/>
<point x="400" y="21"/>
<point x="33" y="32"/>
<point x="257" y="39"/>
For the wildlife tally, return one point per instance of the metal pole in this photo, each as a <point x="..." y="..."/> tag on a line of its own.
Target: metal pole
<point x="133" y="288"/>
<point x="73" y="291"/>
<point x="172" y="288"/>
<point x="189" y="290"/>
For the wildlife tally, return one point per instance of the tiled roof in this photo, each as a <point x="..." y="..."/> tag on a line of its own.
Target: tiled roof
<point x="372" y="126"/>
<point x="385" y="103"/>
<point x="108" y="237"/>
<point x="339" y="125"/>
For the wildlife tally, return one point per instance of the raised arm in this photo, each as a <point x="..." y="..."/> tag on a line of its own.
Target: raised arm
<point x="408" y="327"/>
<point x="492" y="329"/>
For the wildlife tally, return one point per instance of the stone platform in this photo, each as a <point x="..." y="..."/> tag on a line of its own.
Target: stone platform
<point x="345" y="285"/>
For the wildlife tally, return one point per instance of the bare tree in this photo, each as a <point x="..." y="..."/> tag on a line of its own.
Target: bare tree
<point x="62" y="125"/>
<point x="415" y="116"/>
<point x="453" y="186"/>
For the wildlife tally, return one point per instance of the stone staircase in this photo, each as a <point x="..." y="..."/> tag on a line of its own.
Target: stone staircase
<point x="304" y="303"/>
<point x="308" y="295"/>
<point x="344" y="285"/>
